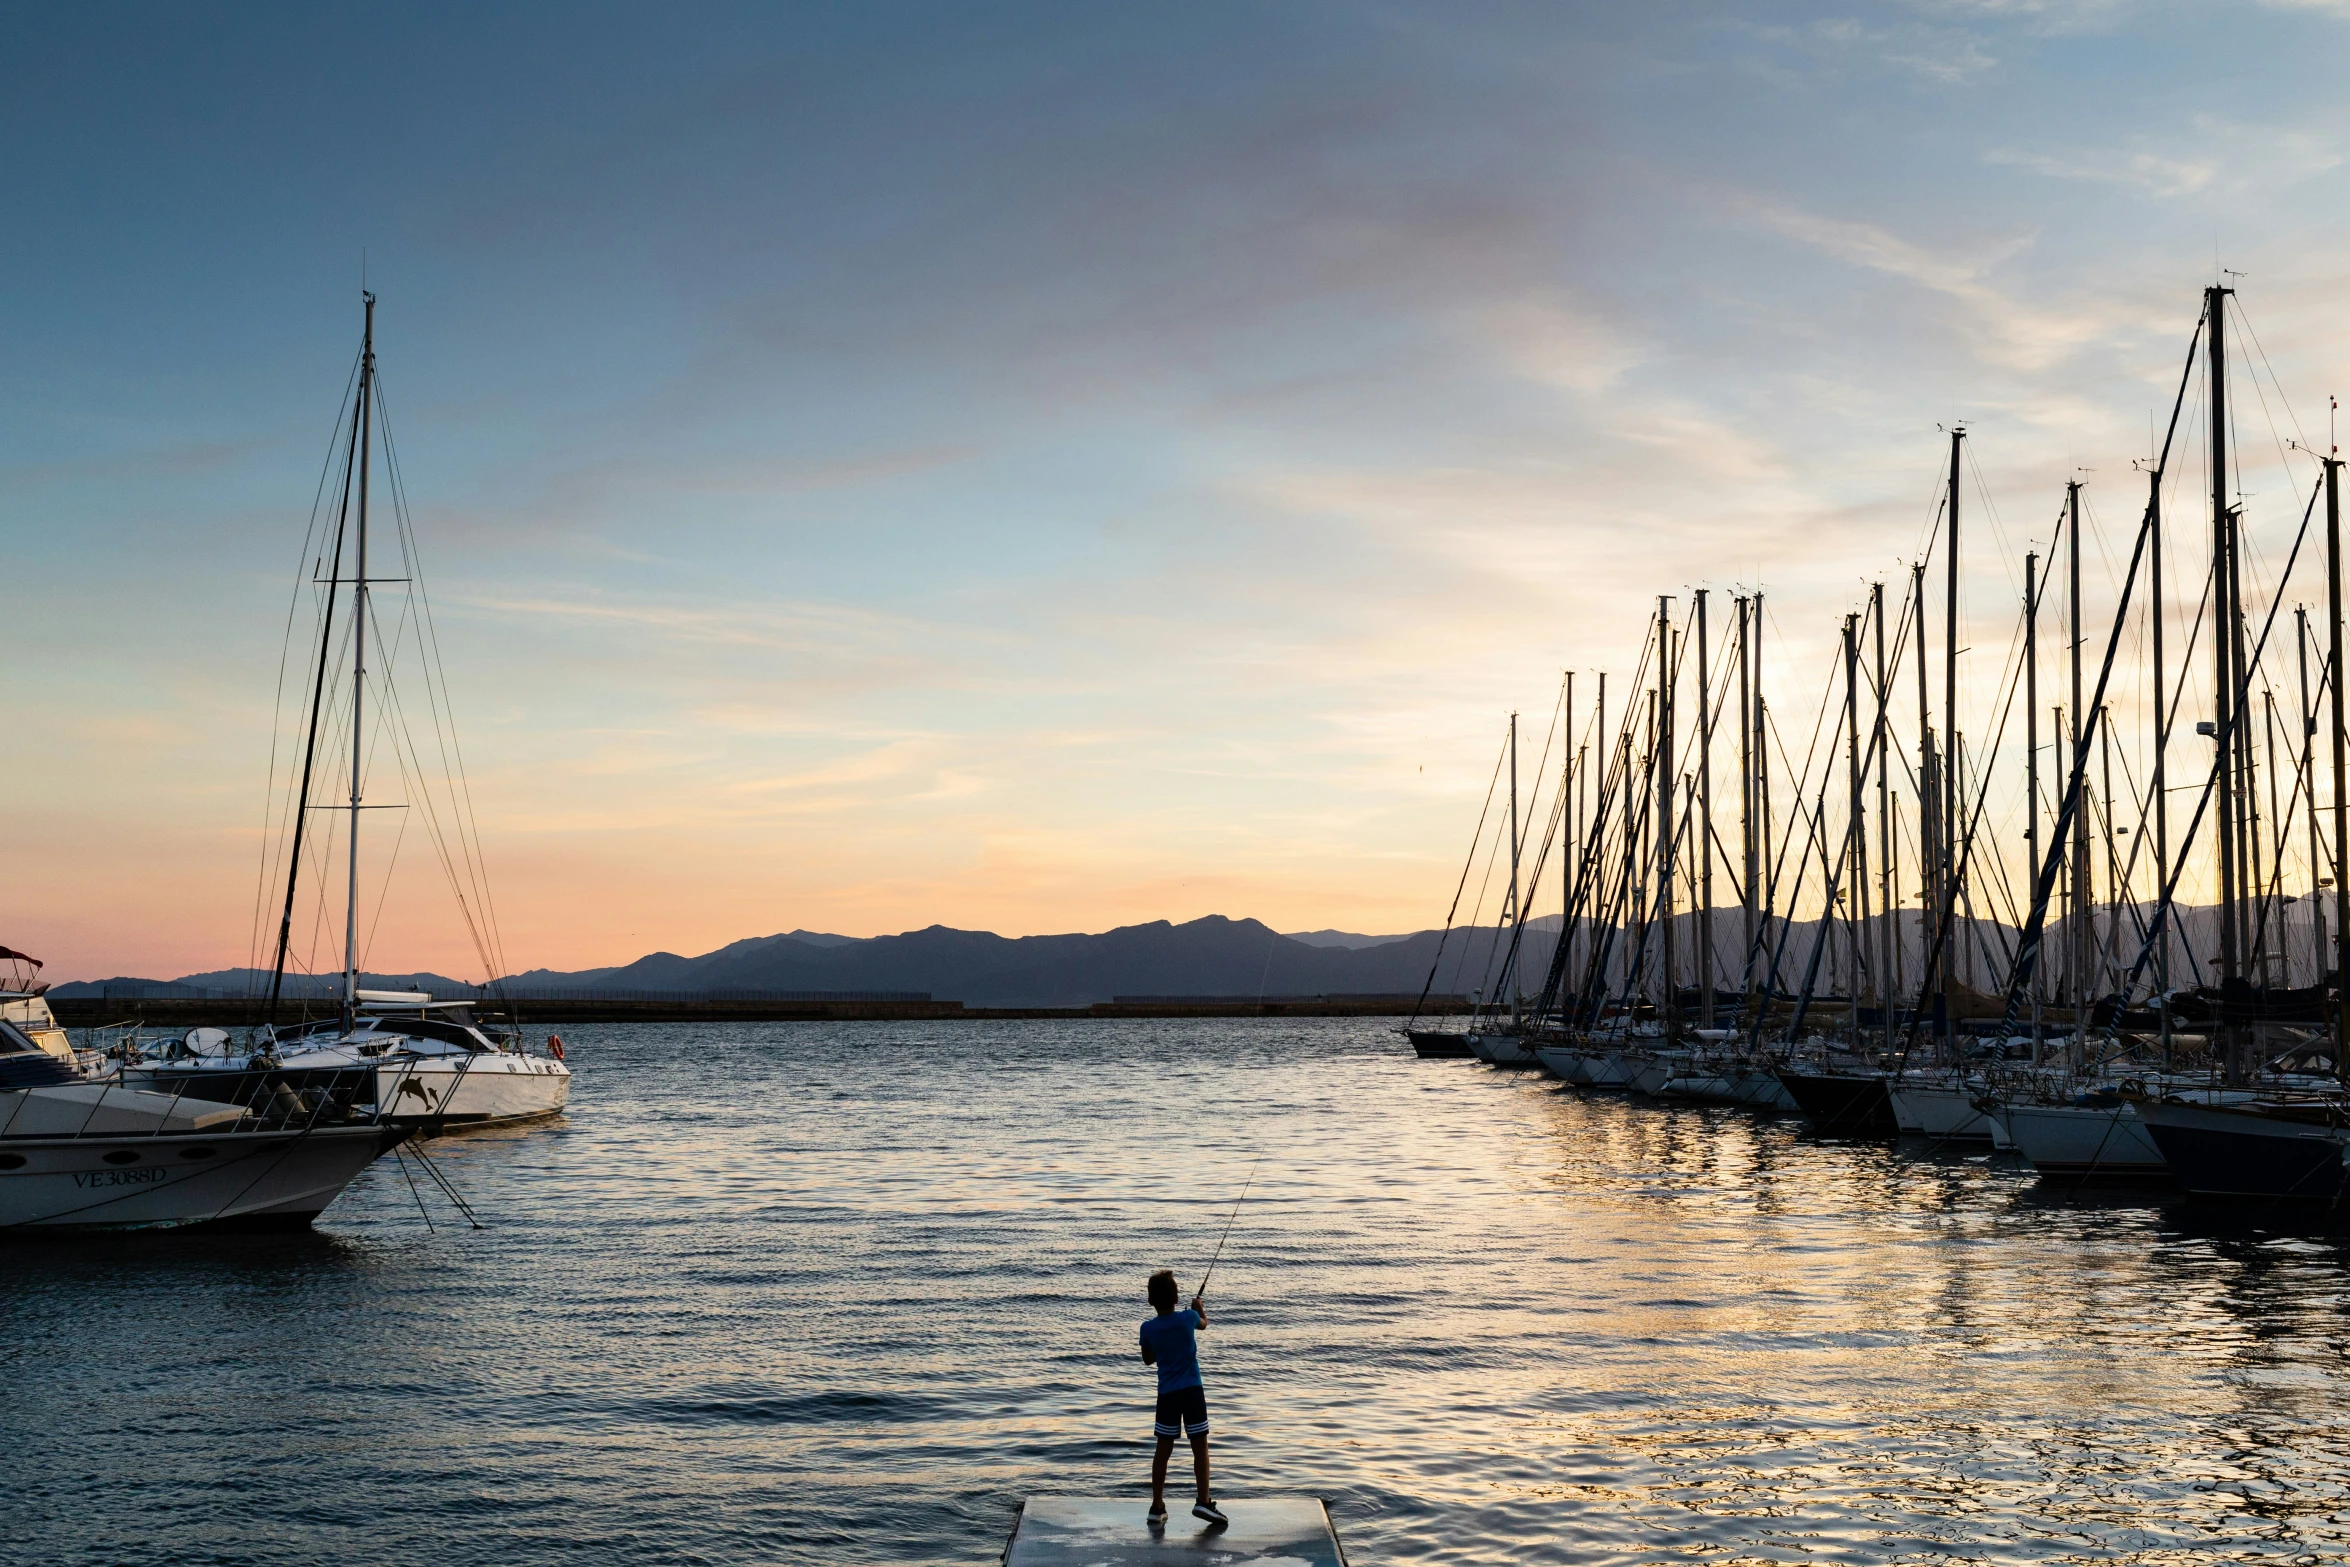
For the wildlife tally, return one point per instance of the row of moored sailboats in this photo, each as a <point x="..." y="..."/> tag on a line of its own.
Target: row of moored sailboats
<point x="2041" y="982"/>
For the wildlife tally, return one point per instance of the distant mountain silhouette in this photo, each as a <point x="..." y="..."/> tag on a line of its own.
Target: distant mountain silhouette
<point x="1341" y="938"/>
<point x="1214" y="956"/>
<point x="236" y="982"/>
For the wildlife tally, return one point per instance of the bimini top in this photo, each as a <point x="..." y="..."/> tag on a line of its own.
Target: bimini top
<point x="18" y="984"/>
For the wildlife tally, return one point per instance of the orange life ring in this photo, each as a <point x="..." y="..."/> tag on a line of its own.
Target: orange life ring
<point x="555" y="1046"/>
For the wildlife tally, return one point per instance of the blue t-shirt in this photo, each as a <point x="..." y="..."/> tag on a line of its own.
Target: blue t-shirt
<point x="1168" y="1338"/>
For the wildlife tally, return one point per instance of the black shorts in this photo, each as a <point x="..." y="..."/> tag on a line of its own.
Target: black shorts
<point x="1185" y="1410"/>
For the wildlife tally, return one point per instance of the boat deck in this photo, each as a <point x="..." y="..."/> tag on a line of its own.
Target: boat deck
<point x="1085" y="1531"/>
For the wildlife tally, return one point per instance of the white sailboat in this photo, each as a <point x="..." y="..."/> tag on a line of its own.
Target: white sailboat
<point x="413" y="1061"/>
<point x="423" y="1064"/>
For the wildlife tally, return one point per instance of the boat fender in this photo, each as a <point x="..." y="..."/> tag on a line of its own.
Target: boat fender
<point x="555" y="1046"/>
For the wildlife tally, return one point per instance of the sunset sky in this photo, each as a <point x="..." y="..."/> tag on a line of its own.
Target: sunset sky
<point x="1044" y="468"/>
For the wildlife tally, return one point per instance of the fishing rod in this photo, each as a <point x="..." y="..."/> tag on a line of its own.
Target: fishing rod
<point x="1202" y="1292"/>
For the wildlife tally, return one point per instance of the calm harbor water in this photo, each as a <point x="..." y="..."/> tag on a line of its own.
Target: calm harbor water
<point x="801" y="1293"/>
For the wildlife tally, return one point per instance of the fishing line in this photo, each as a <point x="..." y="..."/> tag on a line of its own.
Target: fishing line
<point x="1202" y="1291"/>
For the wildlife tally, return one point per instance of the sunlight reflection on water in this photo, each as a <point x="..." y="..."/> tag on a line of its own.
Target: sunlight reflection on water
<point x="846" y="1293"/>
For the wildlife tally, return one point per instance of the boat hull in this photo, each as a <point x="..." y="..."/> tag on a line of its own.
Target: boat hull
<point x="1942" y="1111"/>
<point x="1650" y="1073"/>
<point x="1747" y="1087"/>
<point x="2083" y="1140"/>
<point x="1701" y="1085"/>
<point x="1508" y="1050"/>
<point x="1608" y="1068"/>
<point x="1568" y="1063"/>
<point x="2233" y="1153"/>
<point x="453" y="1093"/>
<point x="1432" y="1045"/>
<point x="1842" y="1104"/>
<point x="236" y="1180"/>
<point x="432" y="1094"/>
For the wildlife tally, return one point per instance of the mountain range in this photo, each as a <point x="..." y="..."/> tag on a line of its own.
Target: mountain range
<point x="1214" y="956"/>
<point x="1245" y="959"/>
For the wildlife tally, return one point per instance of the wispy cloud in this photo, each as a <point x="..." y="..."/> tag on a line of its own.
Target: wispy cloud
<point x="2004" y="328"/>
<point x="2215" y="153"/>
<point x="1946" y="55"/>
<point x="786" y="626"/>
<point x="2144" y="171"/>
<point x="1548" y="339"/>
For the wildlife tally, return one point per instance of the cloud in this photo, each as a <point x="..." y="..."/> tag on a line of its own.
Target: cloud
<point x="2236" y="156"/>
<point x="2002" y="329"/>
<point x="1944" y="55"/>
<point x="2041" y="15"/>
<point x="2143" y="171"/>
<point x="1547" y="339"/>
<point x="782" y="626"/>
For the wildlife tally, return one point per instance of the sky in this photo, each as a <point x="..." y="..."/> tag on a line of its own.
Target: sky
<point x="1040" y="468"/>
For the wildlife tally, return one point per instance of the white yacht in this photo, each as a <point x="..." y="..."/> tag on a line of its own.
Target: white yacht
<point x="77" y="1154"/>
<point x="24" y="1003"/>
<point x="415" y="1062"/>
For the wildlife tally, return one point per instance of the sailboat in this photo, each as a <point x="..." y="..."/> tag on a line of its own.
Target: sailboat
<point x="414" y="1061"/>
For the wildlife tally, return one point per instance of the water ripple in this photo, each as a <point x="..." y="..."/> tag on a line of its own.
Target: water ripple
<point x="847" y="1293"/>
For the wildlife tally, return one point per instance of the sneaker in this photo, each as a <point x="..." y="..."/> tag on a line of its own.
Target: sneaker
<point x="1211" y="1512"/>
<point x="1157" y="1516"/>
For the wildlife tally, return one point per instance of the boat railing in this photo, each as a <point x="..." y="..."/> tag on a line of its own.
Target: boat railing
<point x="336" y="1096"/>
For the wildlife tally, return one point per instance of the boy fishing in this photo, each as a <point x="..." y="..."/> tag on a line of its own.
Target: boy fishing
<point x="1168" y="1343"/>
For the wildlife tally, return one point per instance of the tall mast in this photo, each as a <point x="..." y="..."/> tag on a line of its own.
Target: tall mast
<point x="1762" y="781"/>
<point x="2223" y="607"/>
<point x="1639" y="813"/>
<point x="326" y="627"/>
<point x="1746" y="887"/>
<point x="2032" y="750"/>
<point x="2255" y="877"/>
<point x="2267" y="922"/>
<point x="2158" y="612"/>
<point x="2110" y="964"/>
<point x="1886" y="933"/>
<point x="1929" y="805"/>
<point x="2308" y="711"/>
<point x="1517" y="918"/>
<point x="1949" y="773"/>
<point x="1962" y="906"/>
<point x="1601" y="928"/>
<point x="1668" y="675"/>
<point x="1566" y="814"/>
<point x="2246" y="788"/>
<point x="359" y="670"/>
<point x="2069" y="915"/>
<point x="1582" y="862"/>
<point x="2083" y="917"/>
<point x="1705" y="824"/>
<point x="2341" y="974"/>
<point x="1572" y="929"/>
<point x="1856" y="834"/>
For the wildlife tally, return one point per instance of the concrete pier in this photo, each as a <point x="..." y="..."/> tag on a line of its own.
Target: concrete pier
<point x="1084" y="1531"/>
